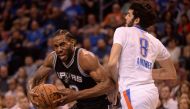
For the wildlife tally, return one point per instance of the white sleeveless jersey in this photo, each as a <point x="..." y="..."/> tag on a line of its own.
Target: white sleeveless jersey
<point x="139" y="52"/>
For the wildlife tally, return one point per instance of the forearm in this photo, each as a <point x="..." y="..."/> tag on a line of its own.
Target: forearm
<point x="39" y="77"/>
<point x="162" y="74"/>
<point x="34" y="81"/>
<point x="98" y="90"/>
<point x="112" y="69"/>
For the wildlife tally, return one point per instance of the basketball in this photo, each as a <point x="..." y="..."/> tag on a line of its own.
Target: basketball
<point x="45" y="95"/>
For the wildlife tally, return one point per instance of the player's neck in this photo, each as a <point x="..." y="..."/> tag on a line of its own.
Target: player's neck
<point x="70" y="56"/>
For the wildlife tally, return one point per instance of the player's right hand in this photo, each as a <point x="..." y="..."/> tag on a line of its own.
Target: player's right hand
<point x="31" y="96"/>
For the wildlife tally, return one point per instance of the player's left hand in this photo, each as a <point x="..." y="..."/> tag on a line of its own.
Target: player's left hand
<point x="67" y="96"/>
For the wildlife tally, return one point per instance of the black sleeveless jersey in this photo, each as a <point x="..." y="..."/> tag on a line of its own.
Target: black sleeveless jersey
<point x="74" y="77"/>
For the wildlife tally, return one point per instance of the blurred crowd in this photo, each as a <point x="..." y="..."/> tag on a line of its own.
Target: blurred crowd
<point x="26" y="28"/>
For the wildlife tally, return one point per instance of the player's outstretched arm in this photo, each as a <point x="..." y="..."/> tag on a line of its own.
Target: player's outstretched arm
<point x="167" y="70"/>
<point x="89" y="63"/>
<point x="113" y="61"/>
<point x="39" y="77"/>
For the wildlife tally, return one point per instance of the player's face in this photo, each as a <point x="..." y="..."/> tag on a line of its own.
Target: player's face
<point x="129" y="18"/>
<point x="63" y="47"/>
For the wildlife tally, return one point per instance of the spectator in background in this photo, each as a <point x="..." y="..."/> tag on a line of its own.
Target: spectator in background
<point x="16" y="25"/>
<point x="126" y="6"/>
<point x="95" y="36"/>
<point x="1" y="102"/>
<point x="74" y="29"/>
<point x="113" y="19"/>
<point x="23" y="103"/>
<point x="109" y="36"/>
<point x="3" y="59"/>
<point x="12" y="84"/>
<point x="35" y="40"/>
<point x="58" y="16"/>
<point x="30" y="66"/>
<point x="168" y="33"/>
<point x="101" y="50"/>
<point x="185" y="57"/>
<point x="166" y="100"/>
<point x="185" y="88"/>
<point x="21" y="76"/>
<point x="183" y="104"/>
<point x="34" y="14"/>
<point x="23" y="18"/>
<point x="185" y="9"/>
<point x="17" y="50"/>
<point x="188" y="39"/>
<point x="49" y="47"/>
<point x="89" y="27"/>
<point x="166" y="18"/>
<point x="175" y="87"/>
<point x="86" y="44"/>
<point x="48" y="30"/>
<point x="3" y="79"/>
<point x="4" y="41"/>
<point x="181" y="72"/>
<point x="20" y="90"/>
<point x="184" y="26"/>
<point x="174" y="50"/>
<point x="91" y="7"/>
<point x="173" y="8"/>
<point x="185" y="96"/>
<point x="75" y="13"/>
<point x="35" y="36"/>
<point x="7" y="19"/>
<point x="10" y="101"/>
<point x="65" y="4"/>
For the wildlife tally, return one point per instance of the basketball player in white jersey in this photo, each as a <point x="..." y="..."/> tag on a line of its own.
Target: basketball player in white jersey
<point x="132" y="57"/>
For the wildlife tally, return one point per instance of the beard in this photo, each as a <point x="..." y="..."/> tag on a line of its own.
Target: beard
<point x="131" y="23"/>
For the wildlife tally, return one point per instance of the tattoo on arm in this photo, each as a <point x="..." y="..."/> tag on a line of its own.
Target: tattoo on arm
<point x="42" y="73"/>
<point x="40" y="77"/>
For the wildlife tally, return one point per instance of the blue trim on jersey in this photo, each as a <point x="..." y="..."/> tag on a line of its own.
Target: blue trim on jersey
<point x="128" y="94"/>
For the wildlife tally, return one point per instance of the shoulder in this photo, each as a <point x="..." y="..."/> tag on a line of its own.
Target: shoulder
<point x="124" y="30"/>
<point x="88" y="60"/>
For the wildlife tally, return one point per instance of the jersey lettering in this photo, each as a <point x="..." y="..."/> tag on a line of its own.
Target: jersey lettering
<point x="66" y="76"/>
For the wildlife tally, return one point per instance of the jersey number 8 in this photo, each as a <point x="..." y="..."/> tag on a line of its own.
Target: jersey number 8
<point x="143" y="47"/>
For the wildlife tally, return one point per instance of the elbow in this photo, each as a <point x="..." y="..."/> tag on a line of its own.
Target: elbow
<point x="174" y="76"/>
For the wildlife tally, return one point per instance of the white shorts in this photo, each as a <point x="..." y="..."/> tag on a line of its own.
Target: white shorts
<point x="140" y="97"/>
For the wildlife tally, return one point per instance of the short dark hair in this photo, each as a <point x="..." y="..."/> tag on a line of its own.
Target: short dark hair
<point x="145" y="12"/>
<point x="64" y="32"/>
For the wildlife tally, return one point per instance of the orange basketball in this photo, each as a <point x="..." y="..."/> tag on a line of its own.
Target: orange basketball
<point x="45" y="95"/>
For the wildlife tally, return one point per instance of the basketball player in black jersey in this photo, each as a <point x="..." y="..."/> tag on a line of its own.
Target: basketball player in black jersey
<point x="78" y="69"/>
